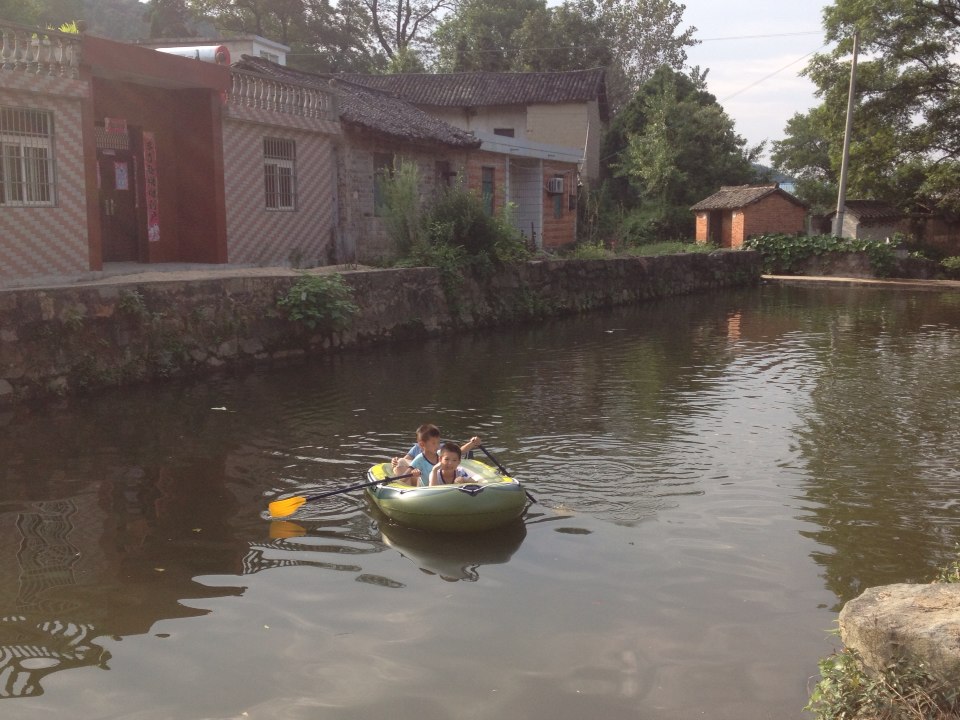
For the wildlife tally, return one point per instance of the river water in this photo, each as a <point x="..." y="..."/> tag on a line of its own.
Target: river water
<point x="715" y="475"/>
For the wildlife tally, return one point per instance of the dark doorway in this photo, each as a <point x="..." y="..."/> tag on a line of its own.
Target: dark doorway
<point x="117" y="172"/>
<point x="715" y="233"/>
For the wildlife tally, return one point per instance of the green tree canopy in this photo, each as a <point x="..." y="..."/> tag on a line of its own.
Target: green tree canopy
<point x="905" y="144"/>
<point x="168" y="18"/>
<point x="673" y="145"/>
<point x="480" y="34"/>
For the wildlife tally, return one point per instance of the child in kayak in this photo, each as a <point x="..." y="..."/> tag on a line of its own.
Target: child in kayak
<point x="448" y="470"/>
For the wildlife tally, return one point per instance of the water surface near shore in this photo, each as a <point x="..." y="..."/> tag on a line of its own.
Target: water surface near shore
<point x="715" y="476"/>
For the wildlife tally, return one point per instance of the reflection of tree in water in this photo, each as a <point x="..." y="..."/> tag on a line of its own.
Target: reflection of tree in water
<point x="32" y="646"/>
<point x="880" y="440"/>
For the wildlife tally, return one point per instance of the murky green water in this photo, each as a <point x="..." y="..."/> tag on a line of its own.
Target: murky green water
<point x="716" y="475"/>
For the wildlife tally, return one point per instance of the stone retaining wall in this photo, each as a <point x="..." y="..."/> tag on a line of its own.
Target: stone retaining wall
<point x="80" y="338"/>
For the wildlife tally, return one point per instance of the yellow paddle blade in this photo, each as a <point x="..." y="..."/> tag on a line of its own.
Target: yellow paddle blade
<point x="284" y="529"/>
<point x="287" y="506"/>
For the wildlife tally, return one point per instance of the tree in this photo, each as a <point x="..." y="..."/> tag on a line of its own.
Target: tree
<point x="571" y="36"/>
<point x="480" y="34"/>
<point x="323" y="36"/>
<point x="805" y="154"/>
<point x="337" y="39"/>
<point x="905" y="145"/>
<point x="399" y="26"/>
<point x="673" y="145"/>
<point x="168" y="18"/>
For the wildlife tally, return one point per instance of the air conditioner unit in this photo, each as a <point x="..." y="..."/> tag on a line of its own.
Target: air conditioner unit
<point x="555" y="186"/>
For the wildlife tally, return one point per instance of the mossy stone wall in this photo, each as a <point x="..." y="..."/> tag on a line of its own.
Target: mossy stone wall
<point x="55" y="341"/>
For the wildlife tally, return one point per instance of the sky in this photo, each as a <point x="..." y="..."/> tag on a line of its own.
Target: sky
<point x="744" y="73"/>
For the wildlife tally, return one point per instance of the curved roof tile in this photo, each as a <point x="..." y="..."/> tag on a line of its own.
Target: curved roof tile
<point x="369" y="108"/>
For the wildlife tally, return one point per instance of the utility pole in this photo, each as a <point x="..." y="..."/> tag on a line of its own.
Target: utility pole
<point x="845" y="161"/>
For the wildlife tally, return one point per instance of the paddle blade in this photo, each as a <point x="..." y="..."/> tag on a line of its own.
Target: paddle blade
<point x="284" y="529"/>
<point x="287" y="506"/>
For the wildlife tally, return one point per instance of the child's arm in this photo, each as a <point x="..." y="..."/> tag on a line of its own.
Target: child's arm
<point x="470" y="444"/>
<point x="435" y="475"/>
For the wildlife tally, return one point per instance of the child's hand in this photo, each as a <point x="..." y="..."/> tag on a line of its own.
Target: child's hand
<point x="471" y="444"/>
<point x="395" y="463"/>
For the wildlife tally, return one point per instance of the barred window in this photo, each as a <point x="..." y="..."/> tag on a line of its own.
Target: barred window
<point x="26" y="157"/>
<point x="280" y="173"/>
<point x="487" y="189"/>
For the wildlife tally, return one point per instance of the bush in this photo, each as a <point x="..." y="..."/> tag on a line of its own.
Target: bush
<point x="458" y="218"/>
<point x="321" y="302"/>
<point x="783" y="254"/>
<point x="401" y="205"/>
<point x="649" y="225"/>
<point x="905" y="690"/>
<point x="951" y="267"/>
<point x="675" y="247"/>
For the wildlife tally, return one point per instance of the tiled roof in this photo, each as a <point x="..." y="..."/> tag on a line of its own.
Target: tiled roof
<point x="731" y="197"/>
<point x="472" y="89"/>
<point x="369" y="108"/>
<point x="871" y="210"/>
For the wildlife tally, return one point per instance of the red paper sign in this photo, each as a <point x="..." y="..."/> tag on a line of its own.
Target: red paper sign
<point x="152" y="188"/>
<point x="115" y="125"/>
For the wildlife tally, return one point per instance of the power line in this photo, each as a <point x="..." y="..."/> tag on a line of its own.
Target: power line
<point x="767" y="77"/>
<point x="761" y="37"/>
<point x="581" y="48"/>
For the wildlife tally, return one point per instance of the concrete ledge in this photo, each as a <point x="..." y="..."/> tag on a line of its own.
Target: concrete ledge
<point x="938" y="285"/>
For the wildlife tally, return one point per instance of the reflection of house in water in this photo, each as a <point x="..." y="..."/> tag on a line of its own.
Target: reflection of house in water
<point x="46" y="557"/>
<point x="32" y="646"/>
<point x="108" y="563"/>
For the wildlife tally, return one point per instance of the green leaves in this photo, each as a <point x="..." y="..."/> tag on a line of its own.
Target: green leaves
<point x="320" y="302"/>
<point x="905" y="144"/>
<point x="783" y="254"/>
<point x="673" y="145"/>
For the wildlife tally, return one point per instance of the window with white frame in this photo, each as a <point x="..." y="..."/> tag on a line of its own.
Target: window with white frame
<point x="280" y="173"/>
<point x="26" y="158"/>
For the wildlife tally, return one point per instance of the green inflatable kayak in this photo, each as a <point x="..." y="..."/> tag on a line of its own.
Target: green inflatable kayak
<point x="488" y="500"/>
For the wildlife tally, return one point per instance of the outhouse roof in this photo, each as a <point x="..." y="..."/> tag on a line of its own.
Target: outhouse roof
<point x="370" y="108"/>
<point x="731" y="197"/>
<point x="871" y="210"/>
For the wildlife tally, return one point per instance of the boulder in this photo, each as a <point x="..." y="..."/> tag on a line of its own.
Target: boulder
<point x="920" y="623"/>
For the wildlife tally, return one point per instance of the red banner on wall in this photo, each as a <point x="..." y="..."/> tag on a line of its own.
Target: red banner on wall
<point x="152" y="188"/>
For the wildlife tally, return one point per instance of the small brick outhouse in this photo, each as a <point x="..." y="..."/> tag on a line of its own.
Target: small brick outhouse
<point x="734" y="213"/>
<point x="869" y="220"/>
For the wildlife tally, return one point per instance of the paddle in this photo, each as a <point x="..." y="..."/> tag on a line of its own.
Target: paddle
<point x="500" y="467"/>
<point x="503" y="470"/>
<point x="288" y="506"/>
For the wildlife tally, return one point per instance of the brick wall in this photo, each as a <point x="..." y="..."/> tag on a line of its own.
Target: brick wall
<point x="933" y="231"/>
<point x="364" y="229"/>
<point x="773" y="214"/>
<point x="42" y="242"/>
<point x="258" y="236"/>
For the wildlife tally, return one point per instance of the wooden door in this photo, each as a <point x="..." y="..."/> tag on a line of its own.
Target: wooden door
<point x="118" y="212"/>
